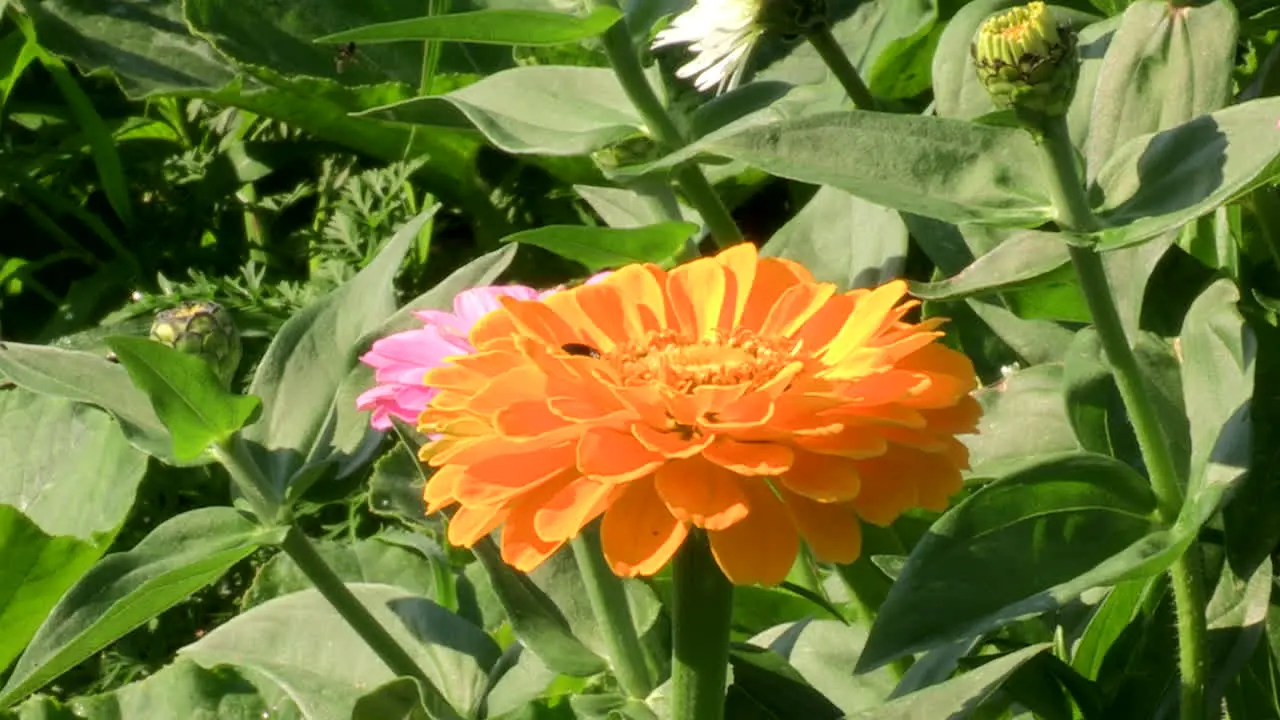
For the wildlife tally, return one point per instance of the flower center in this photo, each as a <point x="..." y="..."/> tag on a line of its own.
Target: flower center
<point x="684" y="364"/>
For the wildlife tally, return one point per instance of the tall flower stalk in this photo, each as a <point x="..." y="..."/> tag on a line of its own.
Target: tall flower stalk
<point x="1029" y="65"/>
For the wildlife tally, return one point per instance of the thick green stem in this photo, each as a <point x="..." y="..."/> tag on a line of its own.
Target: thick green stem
<point x="693" y="183"/>
<point x="304" y="554"/>
<point x="609" y="603"/>
<point x="703" y="605"/>
<point x="833" y="55"/>
<point x="1187" y="575"/>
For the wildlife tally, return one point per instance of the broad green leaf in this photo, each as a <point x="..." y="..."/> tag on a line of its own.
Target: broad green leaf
<point x="601" y="248"/>
<point x="90" y="379"/>
<point x="636" y="206"/>
<point x="1018" y="547"/>
<point x="950" y="170"/>
<point x="186" y="690"/>
<point x="66" y="466"/>
<point x="536" y="619"/>
<point x="307" y="363"/>
<point x="1035" y="341"/>
<point x="764" y="685"/>
<point x="1237" y="616"/>
<point x="1023" y="258"/>
<point x="1128" y="271"/>
<point x="887" y="40"/>
<point x="610" y="706"/>
<point x="66" y="485"/>
<point x="824" y="653"/>
<point x="1164" y="66"/>
<point x="364" y="561"/>
<point x="844" y="240"/>
<point x="1218" y="356"/>
<point x="1156" y="182"/>
<point x="1146" y="646"/>
<point x="125" y="590"/>
<point x="1092" y="400"/>
<point x="1252" y="517"/>
<point x="501" y="27"/>
<point x="38" y="567"/>
<point x="1024" y="417"/>
<point x="186" y="394"/>
<point x="1109" y="620"/>
<point x="953" y="698"/>
<point x="299" y="643"/>
<point x="525" y="678"/>
<point x="542" y="110"/>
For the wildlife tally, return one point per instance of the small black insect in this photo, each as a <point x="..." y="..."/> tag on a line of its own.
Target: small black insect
<point x="346" y="56"/>
<point x="580" y="349"/>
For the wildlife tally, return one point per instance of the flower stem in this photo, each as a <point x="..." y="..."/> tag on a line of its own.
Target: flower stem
<point x="300" y="549"/>
<point x="833" y="55"/>
<point x="1187" y="575"/>
<point x="249" y="479"/>
<point x="697" y="189"/>
<point x="703" y="606"/>
<point x="609" y="603"/>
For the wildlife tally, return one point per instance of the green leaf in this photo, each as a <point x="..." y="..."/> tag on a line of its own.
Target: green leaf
<point x="600" y="248"/>
<point x="299" y="643"/>
<point x="364" y="561"/>
<point x="127" y="589"/>
<point x="38" y="567"/>
<point x="1017" y="547"/>
<point x="824" y="653"/>
<point x="844" y="240"/>
<point x="954" y="697"/>
<point x="946" y="169"/>
<point x="1237" y="615"/>
<point x="186" y="393"/>
<point x="90" y="379"/>
<point x="1218" y="354"/>
<point x="636" y="206"/>
<point x="500" y="27"/>
<point x="186" y="690"/>
<point x="1163" y="67"/>
<point x="764" y="685"/>
<point x="67" y="483"/>
<point x="1115" y="613"/>
<point x="525" y="679"/>
<point x="1156" y="182"/>
<point x="540" y="110"/>
<point x="1024" y="418"/>
<point x="306" y="420"/>
<point x="1024" y="258"/>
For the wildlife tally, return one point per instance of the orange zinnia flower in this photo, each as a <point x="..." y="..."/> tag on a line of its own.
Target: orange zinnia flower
<point x="733" y="393"/>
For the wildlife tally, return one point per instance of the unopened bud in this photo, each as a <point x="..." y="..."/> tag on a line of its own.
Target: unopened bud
<point x="1027" y="62"/>
<point x="204" y="329"/>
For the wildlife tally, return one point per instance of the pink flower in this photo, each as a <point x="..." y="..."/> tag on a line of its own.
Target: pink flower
<point x="400" y="360"/>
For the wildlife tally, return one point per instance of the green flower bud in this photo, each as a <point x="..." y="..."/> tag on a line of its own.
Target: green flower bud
<point x="1027" y="62"/>
<point x="204" y="329"/>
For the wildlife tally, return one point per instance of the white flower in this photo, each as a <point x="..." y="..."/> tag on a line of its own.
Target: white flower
<point x="722" y="33"/>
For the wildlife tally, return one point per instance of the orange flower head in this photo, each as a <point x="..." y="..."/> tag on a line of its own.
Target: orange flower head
<point x="734" y="394"/>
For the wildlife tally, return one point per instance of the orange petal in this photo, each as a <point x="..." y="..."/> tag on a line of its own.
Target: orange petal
<point x="690" y="409"/>
<point x="495" y="326"/>
<point x="537" y="320"/>
<point x="749" y="411"/>
<point x="823" y="326"/>
<point x="740" y="263"/>
<point x="506" y="475"/>
<point x="438" y="492"/>
<point x="522" y="549"/>
<point x="959" y="419"/>
<point x="888" y="485"/>
<point x="527" y="419"/>
<point x="594" y="329"/>
<point x="823" y="478"/>
<point x="638" y="532"/>
<point x="832" y="530"/>
<point x="696" y="292"/>
<point x="773" y="277"/>
<point x="646" y="308"/>
<point x="951" y="373"/>
<point x="749" y="458"/>
<point x="469" y="524"/>
<point x="614" y="455"/>
<point x="700" y="493"/>
<point x="865" y="321"/>
<point x="795" y="307"/>
<point x="760" y="548"/>
<point x="564" y="514"/>
<point x="671" y="444"/>
<point x="523" y="383"/>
